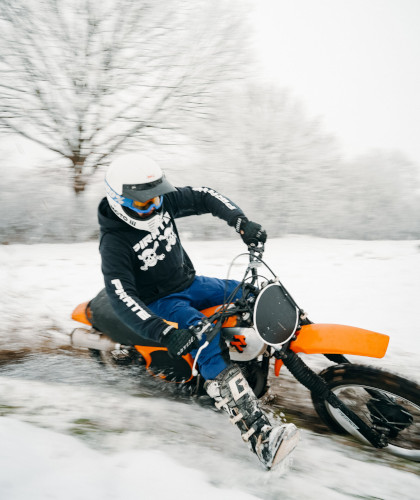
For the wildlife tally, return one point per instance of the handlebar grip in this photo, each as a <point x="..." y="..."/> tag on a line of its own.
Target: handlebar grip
<point x="256" y="248"/>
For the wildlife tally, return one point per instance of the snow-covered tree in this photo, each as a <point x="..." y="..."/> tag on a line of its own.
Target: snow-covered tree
<point x="85" y="78"/>
<point x="278" y="161"/>
<point x="378" y="198"/>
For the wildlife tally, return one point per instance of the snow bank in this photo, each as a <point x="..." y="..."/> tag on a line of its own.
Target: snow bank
<point x="39" y="464"/>
<point x="373" y="285"/>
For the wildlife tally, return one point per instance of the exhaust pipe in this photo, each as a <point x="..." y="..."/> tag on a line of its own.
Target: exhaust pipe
<point x="92" y="339"/>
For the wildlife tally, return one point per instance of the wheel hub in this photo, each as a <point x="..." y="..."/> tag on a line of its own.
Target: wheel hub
<point x="389" y="416"/>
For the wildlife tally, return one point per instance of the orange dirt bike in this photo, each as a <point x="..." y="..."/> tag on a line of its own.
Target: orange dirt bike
<point x="264" y="330"/>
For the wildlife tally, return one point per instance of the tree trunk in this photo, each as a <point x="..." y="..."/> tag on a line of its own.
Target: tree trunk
<point x="79" y="178"/>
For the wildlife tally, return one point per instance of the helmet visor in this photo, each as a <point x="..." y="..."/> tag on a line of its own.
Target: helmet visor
<point x="148" y="190"/>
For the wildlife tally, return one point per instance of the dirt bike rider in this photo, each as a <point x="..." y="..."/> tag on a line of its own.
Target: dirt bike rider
<point x="148" y="276"/>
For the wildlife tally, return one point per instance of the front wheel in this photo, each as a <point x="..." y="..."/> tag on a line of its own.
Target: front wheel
<point x="388" y="403"/>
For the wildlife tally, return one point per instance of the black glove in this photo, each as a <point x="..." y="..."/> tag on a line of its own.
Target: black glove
<point x="179" y="342"/>
<point x="251" y="232"/>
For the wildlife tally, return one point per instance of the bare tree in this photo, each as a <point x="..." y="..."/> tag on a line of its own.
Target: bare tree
<point x="84" y="78"/>
<point x="293" y="178"/>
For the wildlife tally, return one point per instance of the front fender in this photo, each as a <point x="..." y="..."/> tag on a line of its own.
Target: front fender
<point x="337" y="339"/>
<point x="340" y="339"/>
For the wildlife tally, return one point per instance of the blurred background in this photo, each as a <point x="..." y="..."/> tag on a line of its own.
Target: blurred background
<point x="304" y="113"/>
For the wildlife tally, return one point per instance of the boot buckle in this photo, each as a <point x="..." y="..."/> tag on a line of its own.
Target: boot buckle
<point x="248" y="434"/>
<point x="234" y="420"/>
<point x="221" y="403"/>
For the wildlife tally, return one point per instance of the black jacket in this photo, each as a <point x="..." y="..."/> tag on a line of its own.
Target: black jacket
<point x="140" y="267"/>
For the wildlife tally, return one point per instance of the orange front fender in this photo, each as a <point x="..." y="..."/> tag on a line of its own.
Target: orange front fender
<point x="338" y="339"/>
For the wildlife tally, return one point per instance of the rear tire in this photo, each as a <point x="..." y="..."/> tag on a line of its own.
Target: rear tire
<point x="351" y="383"/>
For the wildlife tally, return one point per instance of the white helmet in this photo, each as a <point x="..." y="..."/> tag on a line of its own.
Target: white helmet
<point x="134" y="188"/>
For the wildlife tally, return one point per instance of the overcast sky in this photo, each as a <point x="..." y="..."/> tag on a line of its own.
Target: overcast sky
<point x="354" y="62"/>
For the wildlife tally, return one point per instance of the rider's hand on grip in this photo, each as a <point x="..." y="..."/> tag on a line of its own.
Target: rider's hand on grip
<point x="251" y="232"/>
<point x="179" y="342"/>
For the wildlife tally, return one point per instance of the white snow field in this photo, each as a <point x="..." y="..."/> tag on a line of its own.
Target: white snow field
<point x="72" y="429"/>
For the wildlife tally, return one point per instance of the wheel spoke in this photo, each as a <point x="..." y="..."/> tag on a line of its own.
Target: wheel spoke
<point x="401" y="434"/>
<point x="386" y="402"/>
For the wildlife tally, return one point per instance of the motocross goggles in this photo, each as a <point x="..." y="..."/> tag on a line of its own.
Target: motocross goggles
<point x="145" y="207"/>
<point x="141" y="207"/>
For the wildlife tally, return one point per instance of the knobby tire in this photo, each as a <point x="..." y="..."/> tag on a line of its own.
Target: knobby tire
<point x="354" y="384"/>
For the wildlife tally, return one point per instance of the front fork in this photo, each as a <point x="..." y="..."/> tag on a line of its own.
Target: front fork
<point x="318" y="386"/>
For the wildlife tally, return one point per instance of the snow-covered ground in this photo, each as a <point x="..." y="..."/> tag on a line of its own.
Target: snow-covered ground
<point x="71" y="429"/>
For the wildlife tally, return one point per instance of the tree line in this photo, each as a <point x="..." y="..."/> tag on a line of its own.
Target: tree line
<point x="87" y="80"/>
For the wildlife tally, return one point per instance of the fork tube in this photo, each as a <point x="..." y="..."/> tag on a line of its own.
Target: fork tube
<point x="317" y="385"/>
<point x="337" y="358"/>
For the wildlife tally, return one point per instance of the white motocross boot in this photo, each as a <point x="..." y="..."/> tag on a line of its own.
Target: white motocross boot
<point x="271" y="444"/>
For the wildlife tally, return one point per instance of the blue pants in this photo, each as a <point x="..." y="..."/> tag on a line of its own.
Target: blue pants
<point x="184" y="308"/>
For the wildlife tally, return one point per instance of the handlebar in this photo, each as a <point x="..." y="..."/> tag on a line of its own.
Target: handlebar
<point x="244" y="306"/>
<point x="255" y="259"/>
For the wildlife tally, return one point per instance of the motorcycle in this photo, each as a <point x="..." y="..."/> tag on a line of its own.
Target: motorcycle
<point x="264" y="330"/>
